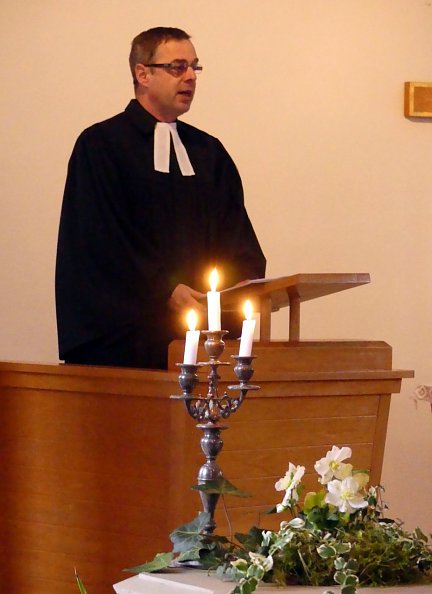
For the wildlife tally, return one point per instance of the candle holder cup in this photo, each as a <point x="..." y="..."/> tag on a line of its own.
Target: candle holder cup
<point x="210" y="409"/>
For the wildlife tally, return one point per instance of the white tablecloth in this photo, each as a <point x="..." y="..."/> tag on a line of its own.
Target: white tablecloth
<point x="195" y="581"/>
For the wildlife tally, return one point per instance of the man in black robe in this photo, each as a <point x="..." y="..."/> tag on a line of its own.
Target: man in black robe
<point x="151" y="205"/>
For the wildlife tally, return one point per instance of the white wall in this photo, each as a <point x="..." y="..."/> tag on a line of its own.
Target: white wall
<point x="307" y="95"/>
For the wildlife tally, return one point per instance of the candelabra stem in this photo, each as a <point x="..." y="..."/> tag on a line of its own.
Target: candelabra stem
<point x="211" y="445"/>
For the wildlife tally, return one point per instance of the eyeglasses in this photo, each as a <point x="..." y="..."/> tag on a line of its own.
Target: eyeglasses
<point x="177" y="67"/>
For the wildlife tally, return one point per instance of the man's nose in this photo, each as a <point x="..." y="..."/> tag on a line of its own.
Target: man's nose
<point x="190" y="73"/>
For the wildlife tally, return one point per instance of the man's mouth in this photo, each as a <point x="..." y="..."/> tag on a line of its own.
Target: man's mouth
<point x="186" y="93"/>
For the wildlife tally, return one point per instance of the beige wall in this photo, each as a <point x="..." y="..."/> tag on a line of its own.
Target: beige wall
<point x="307" y="95"/>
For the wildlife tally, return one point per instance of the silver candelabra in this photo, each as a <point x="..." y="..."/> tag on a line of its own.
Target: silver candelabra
<point x="208" y="410"/>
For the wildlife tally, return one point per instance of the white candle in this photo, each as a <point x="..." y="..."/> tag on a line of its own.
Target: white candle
<point x="213" y="303"/>
<point x="192" y="340"/>
<point x="248" y="330"/>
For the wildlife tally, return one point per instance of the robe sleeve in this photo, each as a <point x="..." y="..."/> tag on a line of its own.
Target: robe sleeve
<point x="107" y="274"/>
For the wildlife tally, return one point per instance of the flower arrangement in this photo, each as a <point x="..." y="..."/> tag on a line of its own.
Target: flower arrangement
<point x="339" y="535"/>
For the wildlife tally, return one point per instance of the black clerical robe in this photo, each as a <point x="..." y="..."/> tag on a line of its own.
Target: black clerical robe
<point x="129" y="234"/>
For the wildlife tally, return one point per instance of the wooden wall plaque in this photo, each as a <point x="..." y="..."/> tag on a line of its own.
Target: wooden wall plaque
<point x="418" y="99"/>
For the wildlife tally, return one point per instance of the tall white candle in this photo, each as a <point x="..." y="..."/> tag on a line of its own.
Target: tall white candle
<point x="248" y="330"/>
<point x="213" y="303"/>
<point x="192" y="340"/>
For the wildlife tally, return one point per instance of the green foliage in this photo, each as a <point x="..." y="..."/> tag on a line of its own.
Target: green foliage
<point x="322" y="544"/>
<point x="339" y="536"/>
<point x="366" y="551"/>
<point x="387" y="554"/>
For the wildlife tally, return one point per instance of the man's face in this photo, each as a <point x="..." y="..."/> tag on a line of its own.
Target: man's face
<point x="167" y="96"/>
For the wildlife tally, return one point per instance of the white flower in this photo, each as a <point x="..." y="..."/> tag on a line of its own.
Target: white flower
<point x="265" y="563"/>
<point x="345" y="495"/>
<point x="332" y="465"/>
<point x="266" y="537"/>
<point x="281" y="507"/>
<point x="289" y="483"/>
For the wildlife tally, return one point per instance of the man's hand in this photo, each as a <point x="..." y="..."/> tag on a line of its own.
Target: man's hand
<point x="184" y="297"/>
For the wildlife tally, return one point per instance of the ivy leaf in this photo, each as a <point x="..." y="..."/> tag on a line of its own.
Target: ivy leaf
<point x="209" y="559"/>
<point x="351" y="580"/>
<point x="249" y="586"/>
<point x="352" y="565"/>
<point x="192" y="554"/>
<point x="339" y="577"/>
<point x="189" y="535"/>
<point x="296" y="523"/>
<point x="228" y="573"/>
<point x="348" y="590"/>
<point x="252" y="540"/>
<point x="326" y="551"/>
<point x="160" y="561"/>
<point x="222" y="487"/>
<point x="342" y="548"/>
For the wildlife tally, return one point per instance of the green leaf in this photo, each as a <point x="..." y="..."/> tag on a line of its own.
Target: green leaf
<point x="326" y="551"/>
<point x="254" y="571"/>
<point x="313" y="499"/>
<point x="252" y="540"/>
<point x="192" y="554"/>
<point x="340" y="563"/>
<point x="352" y="565"/>
<point x="209" y="559"/>
<point x="222" y="487"/>
<point x="339" y="577"/>
<point x="296" y="523"/>
<point x="343" y="547"/>
<point x="334" y="517"/>
<point x="351" y="580"/>
<point x="160" y="561"/>
<point x="189" y="535"/>
<point x="348" y="590"/>
<point x="80" y="584"/>
<point x="249" y="586"/>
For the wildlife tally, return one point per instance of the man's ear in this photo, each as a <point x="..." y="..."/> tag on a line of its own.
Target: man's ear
<point x="141" y="74"/>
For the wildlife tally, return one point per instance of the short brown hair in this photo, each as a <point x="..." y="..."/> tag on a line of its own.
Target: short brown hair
<point x="145" y="44"/>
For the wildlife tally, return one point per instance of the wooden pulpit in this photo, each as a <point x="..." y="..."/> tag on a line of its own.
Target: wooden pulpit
<point x="96" y="463"/>
<point x="270" y="295"/>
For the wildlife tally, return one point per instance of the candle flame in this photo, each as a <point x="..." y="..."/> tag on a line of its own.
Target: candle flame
<point x="214" y="279"/>
<point x="191" y="319"/>
<point x="248" y="310"/>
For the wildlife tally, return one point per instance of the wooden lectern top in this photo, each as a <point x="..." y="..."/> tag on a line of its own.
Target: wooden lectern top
<point x="270" y="295"/>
